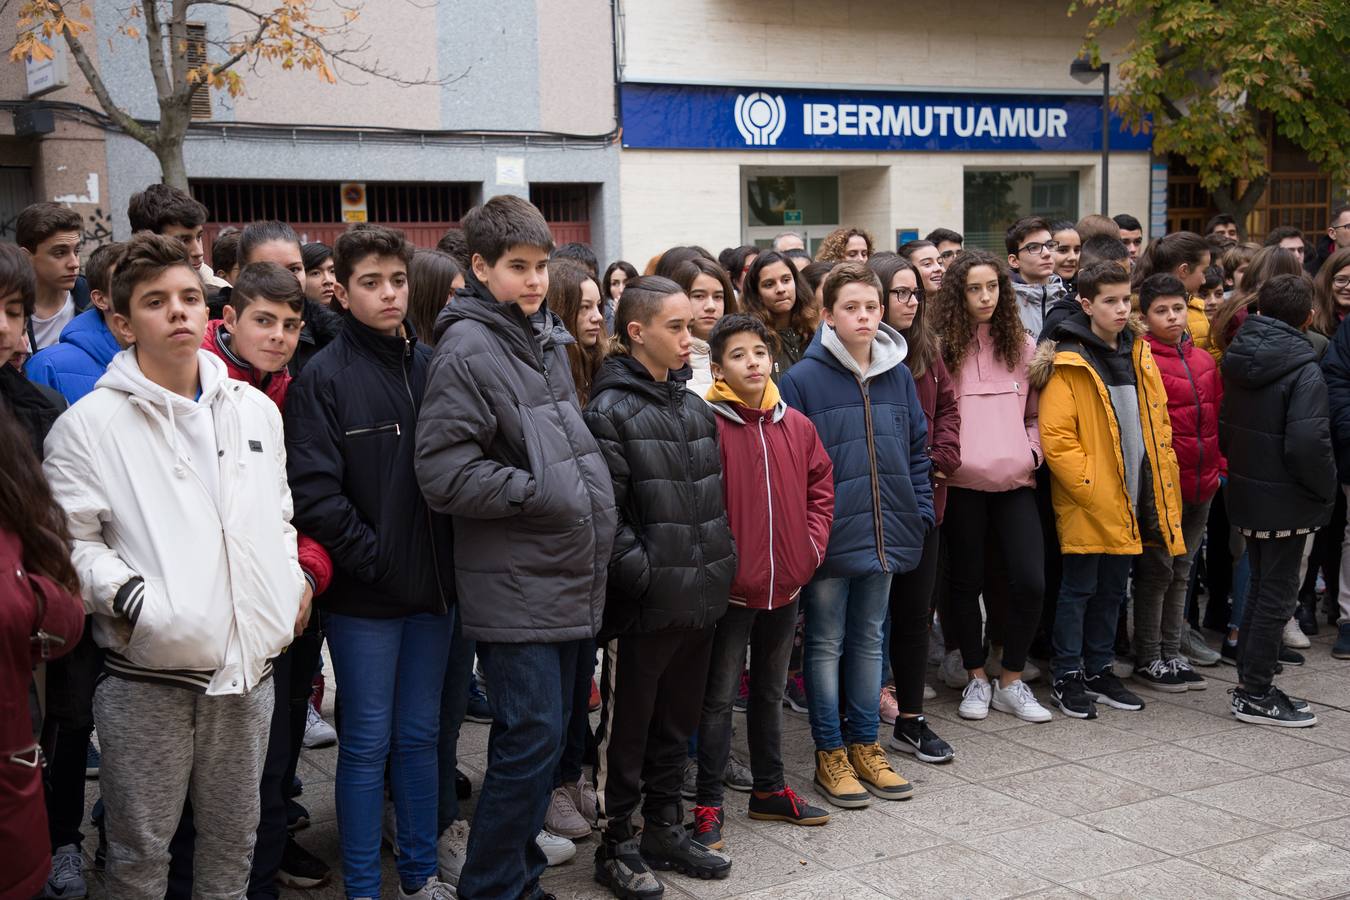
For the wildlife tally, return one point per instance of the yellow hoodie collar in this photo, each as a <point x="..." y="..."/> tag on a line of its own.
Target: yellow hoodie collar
<point x="721" y="392"/>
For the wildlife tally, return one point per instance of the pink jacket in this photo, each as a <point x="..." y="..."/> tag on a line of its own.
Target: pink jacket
<point x="1000" y="440"/>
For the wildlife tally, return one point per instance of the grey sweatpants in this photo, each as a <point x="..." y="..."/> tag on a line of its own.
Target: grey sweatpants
<point x="1160" y="584"/>
<point x="159" y="743"/>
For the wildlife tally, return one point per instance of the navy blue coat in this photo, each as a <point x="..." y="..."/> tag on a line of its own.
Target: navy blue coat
<point x="882" y="457"/>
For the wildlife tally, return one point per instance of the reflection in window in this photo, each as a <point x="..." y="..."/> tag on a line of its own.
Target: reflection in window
<point x="994" y="200"/>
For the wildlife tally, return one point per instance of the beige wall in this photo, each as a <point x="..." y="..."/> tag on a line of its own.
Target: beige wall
<point x="897" y="43"/>
<point x="576" y="67"/>
<point x="682" y="196"/>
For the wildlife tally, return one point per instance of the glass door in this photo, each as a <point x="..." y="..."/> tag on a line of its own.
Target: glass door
<point x="806" y="204"/>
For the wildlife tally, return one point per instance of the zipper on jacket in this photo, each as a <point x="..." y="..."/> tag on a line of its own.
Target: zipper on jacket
<point x="876" y="479"/>
<point x="675" y="391"/>
<point x="431" y="532"/>
<point x="1164" y="521"/>
<point x="1199" y="422"/>
<point x="375" y="429"/>
<point x="768" y="491"/>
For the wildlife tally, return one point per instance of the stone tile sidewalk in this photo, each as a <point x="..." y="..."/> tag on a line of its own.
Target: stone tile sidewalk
<point x="1177" y="801"/>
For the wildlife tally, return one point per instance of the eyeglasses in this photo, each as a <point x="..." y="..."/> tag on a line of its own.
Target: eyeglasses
<point x="1341" y="283"/>
<point x="1338" y="227"/>
<point x="903" y="294"/>
<point x="949" y="255"/>
<point x="1037" y="247"/>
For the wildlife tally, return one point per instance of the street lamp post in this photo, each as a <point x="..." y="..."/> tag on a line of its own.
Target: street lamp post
<point x="1084" y="72"/>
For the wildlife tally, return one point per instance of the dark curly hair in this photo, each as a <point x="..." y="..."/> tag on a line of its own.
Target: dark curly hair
<point x="954" y="328"/>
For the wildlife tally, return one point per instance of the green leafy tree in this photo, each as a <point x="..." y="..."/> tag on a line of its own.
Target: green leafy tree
<point x="310" y="35"/>
<point x="1208" y="76"/>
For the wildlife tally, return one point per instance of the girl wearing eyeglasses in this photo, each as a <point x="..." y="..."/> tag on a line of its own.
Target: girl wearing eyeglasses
<point x="1331" y="292"/>
<point x="912" y="593"/>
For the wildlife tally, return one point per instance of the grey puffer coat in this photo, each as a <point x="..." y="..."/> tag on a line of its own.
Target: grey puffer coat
<point x="502" y="448"/>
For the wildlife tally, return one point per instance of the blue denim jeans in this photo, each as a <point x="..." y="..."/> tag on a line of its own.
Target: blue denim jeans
<point x="843" y="645"/>
<point x="390" y="672"/>
<point x="454" y="703"/>
<point x="530" y="689"/>
<point x="1091" y="593"/>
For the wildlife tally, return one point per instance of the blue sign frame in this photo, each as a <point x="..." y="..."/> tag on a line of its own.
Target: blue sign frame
<point x="704" y="117"/>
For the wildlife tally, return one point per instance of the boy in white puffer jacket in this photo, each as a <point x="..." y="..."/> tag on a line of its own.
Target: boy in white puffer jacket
<point x="173" y="480"/>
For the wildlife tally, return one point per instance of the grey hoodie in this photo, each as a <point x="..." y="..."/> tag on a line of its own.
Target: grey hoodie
<point x="888" y="351"/>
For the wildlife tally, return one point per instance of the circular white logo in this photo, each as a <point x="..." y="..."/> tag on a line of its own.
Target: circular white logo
<point x="760" y="118"/>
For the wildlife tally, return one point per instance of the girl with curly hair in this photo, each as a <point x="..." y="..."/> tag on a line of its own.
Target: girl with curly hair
<point x="846" y="244"/>
<point x="991" y="497"/>
<point x="776" y="293"/>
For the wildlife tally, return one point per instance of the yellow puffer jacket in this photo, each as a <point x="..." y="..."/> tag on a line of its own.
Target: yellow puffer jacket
<point x="1197" y="325"/>
<point x="1080" y="438"/>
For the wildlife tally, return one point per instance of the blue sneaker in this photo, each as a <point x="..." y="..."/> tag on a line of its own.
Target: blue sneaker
<point x="92" y="760"/>
<point x="478" y="710"/>
<point x="1341" y="649"/>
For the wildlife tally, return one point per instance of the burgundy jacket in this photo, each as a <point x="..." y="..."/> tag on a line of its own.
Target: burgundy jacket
<point x="23" y="815"/>
<point x="778" y="482"/>
<point x="1194" y="393"/>
<point x="937" y="396"/>
<point x="314" y="559"/>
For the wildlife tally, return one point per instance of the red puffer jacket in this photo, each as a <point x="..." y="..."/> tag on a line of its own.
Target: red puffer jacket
<point x="314" y="559"/>
<point x="937" y="396"/>
<point x="23" y="816"/>
<point x="779" y="487"/>
<point x="1194" y="392"/>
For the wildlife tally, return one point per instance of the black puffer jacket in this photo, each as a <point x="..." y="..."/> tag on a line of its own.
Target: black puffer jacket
<point x="1274" y="430"/>
<point x="351" y="420"/>
<point x="502" y="448"/>
<point x="1336" y="368"/>
<point x="322" y="325"/>
<point x="673" y="555"/>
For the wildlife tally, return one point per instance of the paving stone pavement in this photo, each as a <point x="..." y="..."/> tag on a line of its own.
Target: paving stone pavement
<point x="1176" y="801"/>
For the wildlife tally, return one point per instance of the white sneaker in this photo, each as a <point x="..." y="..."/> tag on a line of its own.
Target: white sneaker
<point x="952" y="671"/>
<point x="975" y="699"/>
<point x="432" y="890"/>
<point x="557" y="850"/>
<point x="318" y="733"/>
<point x="451" y="848"/>
<point x="929" y="693"/>
<point x="1018" y="700"/>
<point x="1031" y="671"/>
<point x="1294" y="636"/>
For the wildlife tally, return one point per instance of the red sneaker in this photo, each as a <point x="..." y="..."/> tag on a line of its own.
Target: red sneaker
<point x="595" y="696"/>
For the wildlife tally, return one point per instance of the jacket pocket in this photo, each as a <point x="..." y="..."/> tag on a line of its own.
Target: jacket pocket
<point x="559" y="496"/>
<point x="994" y="441"/>
<point x="167" y="637"/>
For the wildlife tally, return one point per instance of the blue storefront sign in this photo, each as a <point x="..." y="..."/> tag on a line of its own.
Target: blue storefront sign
<point x="669" y="116"/>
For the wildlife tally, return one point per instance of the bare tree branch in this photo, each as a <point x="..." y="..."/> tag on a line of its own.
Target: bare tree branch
<point x="116" y="113"/>
<point x="154" y="45"/>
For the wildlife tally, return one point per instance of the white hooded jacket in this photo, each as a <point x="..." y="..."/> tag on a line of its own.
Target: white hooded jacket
<point x="189" y="583"/>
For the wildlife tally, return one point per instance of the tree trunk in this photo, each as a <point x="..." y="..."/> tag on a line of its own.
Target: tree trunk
<point x="174" y="116"/>
<point x="1241" y="207"/>
<point x="173" y="170"/>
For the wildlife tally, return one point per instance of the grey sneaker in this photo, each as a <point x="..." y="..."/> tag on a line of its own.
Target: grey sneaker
<point x="621" y="868"/>
<point x="1194" y="648"/>
<point x="67" y="875"/>
<point x="583" y="798"/>
<point x="563" y="818"/>
<point x="737" y="776"/>
<point x="434" y="889"/>
<point x="451" y="848"/>
<point x="689" y="788"/>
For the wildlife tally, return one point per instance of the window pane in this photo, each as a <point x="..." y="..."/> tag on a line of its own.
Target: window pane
<point x="994" y="200"/>
<point x="815" y="197"/>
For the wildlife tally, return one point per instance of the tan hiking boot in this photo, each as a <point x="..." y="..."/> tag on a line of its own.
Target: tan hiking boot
<point x="837" y="780"/>
<point x="874" y="771"/>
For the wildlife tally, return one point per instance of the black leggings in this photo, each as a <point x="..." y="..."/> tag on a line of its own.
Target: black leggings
<point x="912" y="600"/>
<point x="973" y="519"/>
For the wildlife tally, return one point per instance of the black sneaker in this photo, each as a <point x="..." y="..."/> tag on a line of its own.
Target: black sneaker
<point x="1181" y="668"/>
<point x="914" y="736"/>
<point x="1105" y="687"/>
<point x="620" y="867"/>
<point x="666" y="845"/>
<point x="786" y="806"/>
<point x="1297" y="703"/>
<point x="1070" y="695"/>
<point x="1269" y="708"/>
<point x="1161" y="677"/>
<point x="706" y="828"/>
<point x="300" y="868"/>
<point x="1228" y="652"/>
<point x="1290" y="657"/>
<point x="297" y="817"/>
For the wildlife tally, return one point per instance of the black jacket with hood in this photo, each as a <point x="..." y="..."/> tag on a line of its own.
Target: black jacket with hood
<point x="350" y="419"/>
<point x="1275" y="430"/>
<point x="674" y="558"/>
<point x="502" y="448"/>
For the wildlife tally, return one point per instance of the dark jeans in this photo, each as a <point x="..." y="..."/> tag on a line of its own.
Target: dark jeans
<point x="1270" y="602"/>
<point x="1091" y="592"/>
<point x="769" y="635"/>
<point x="307" y="650"/>
<point x="579" y="739"/>
<point x="651" y="688"/>
<point x="911" y="617"/>
<point x="454" y="703"/>
<point x="1008" y="518"/>
<point x="70" y="720"/>
<point x="531" y="687"/>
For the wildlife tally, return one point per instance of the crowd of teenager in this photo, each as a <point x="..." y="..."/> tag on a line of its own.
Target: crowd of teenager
<point x="750" y="482"/>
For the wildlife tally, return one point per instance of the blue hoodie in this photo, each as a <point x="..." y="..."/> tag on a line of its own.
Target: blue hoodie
<point x="75" y="363"/>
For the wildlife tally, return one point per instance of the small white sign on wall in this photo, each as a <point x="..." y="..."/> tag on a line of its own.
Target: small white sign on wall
<point x="47" y="75"/>
<point x="511" y="171"/>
